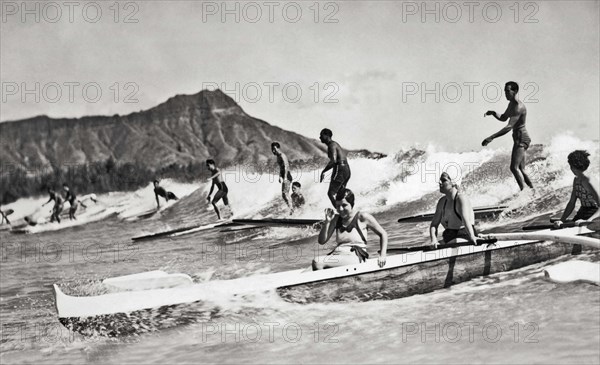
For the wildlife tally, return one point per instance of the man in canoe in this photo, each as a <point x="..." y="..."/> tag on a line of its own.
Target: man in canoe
<point x="516" y="114"/>
<point x="160" y="191"/>
<point x="454" y="212"/>
<point x="583" y="189"/>
<point x="222" y="189"/>
<point x="350" y="227"/>
<point x="338" y="162"/>
<point x="285" y="176"/>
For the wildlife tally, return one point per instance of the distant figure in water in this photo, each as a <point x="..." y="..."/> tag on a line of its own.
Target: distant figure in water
<point x="285" y="176"/>
<point x="297" y="197"/>
<point x="5" y="215"/>
<point x="583" y="189"/>
<point x="338" y="162"/>
<point x="222" y="189"/>
<point x="58" y="205"/>
<point x="454" y="212"/>
<point x="72" y="199"/>
<point x="160" y="191"/>
<point x="517" y="113"/>
<point x="350" y="227"/>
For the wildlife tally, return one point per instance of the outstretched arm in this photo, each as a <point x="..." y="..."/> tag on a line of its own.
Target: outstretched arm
<point x="157" y="202"/>
<point x="383" y="237"/>
<point x="568" y="209"/>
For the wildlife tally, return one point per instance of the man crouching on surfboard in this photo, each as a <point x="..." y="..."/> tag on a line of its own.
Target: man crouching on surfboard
<point x="350" y="228"/>
<point x="454" y="212"/>
<point x="160" y="191"/>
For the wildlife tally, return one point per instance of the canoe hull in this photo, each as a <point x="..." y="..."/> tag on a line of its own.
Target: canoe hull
<point x="425" y="277"/>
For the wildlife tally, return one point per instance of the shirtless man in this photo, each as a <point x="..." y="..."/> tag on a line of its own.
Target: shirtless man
<point x="222" y="190"/>
<point x="285" y="177"/>
<point x="160" y="191"/>
<point x="58" y="205"/>
<point x="72" y="199"/>
<point x="517" y="113"/>
<point x="337" y="162"/>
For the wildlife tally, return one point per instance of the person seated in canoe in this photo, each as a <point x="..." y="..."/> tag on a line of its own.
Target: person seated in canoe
<point x="72" y="199"/>
<point x="160" y="191"/>
<point x="454" y="212"/>
<point x="297" y="197"/>
<point x="583" y="189"/>
<point x="222" y="189"/>
<point x="350" y="227"/>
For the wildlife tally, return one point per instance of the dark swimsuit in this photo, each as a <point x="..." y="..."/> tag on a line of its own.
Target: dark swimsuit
<point x="451" y="234"/>
<point x="340" y="176"/>
<point x="165" y="194"/>
<point x="589" y="206"/>
<point x="521" y="136"/>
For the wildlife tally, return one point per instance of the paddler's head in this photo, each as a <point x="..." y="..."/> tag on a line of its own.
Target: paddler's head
<point x="326" y="135"/>
<point x="579" y="161"/>
<point x="344" y="202"/>
<point x="296" y="186"/>
<point x="65" y="187"/>
<point x="446" y="183"/>
<point x="511" y="89"/>
<point x="275" y="148"/>
<point x="155" y="182"/>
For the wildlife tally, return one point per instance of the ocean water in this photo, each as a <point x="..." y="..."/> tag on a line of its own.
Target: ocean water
<point x="511" y="317"/>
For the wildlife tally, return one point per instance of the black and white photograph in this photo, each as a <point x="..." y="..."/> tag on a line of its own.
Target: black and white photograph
<point x="299" y="182"/>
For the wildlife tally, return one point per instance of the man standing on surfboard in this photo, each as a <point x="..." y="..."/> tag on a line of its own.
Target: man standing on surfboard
<point x="159" y="190"/>
<point x="337" y="162"/>
<point x="517" y="113"/>
<point x="222" y="189"/>
<point x="285" y="177"/>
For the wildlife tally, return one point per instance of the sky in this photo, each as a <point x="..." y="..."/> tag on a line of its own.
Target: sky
<point x="382" y="75"/>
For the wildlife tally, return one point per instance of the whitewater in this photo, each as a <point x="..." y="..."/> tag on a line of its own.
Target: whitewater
<point x="515" y="316"/>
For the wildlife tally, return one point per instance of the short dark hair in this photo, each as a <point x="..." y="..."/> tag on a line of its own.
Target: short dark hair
<point x="579" y="159"/>
<point x="297" y="184"/>
<point x="210" y="161"/>
<point x="155" y="181"/>
<point x="65" y="184"/>
<point x="345" y="194"/>
<point x="275" y="144"/>
<point x="513" y="86"/>
<point x="327" y="132"/>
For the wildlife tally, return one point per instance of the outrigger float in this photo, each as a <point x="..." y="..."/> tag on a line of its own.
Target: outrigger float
<point x="414" y="272"/>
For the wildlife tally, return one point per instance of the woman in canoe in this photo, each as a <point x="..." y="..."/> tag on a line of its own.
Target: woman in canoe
<point x="350" y="227"/>
<point x="583" y="190"/>
<point x="454" y="212"/>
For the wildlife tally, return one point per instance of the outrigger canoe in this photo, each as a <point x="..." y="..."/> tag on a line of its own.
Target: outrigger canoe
<point x="403" y="275"/>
